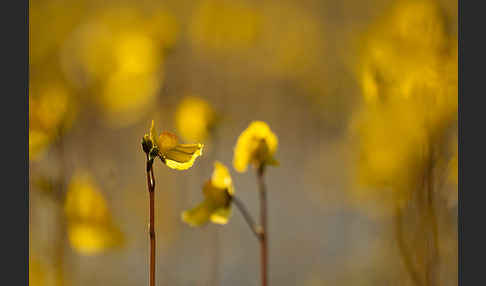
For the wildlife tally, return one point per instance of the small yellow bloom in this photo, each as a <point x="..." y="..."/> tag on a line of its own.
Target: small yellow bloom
<point x="90" y="227"/>
<point x="194" y="118"/>
<point x="256" y="145"/>
<point x="37" y="272"/>
<point x="174" y="155"/>
<point x="216" y="207"/>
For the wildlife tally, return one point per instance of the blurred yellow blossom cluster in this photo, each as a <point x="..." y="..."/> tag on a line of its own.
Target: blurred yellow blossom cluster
<point x="52" y="102"/>
<point x="118" y="55"/>
<point x="90" y="226"/>
<point x="408" y="75"/>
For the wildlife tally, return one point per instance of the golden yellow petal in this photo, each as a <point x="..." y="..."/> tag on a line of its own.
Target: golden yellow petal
<point x="199" y="215"/>
<point x="221" y="177"/>
<point x="221" y="215"/>
<point x="167" y="141"/>
<point x="153" y="133"/>
<point x="183" y="156"/>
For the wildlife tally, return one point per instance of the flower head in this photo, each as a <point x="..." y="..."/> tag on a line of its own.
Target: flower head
<point x="90" y="227"/>
<point x="194" y="118"/>
<point x="218" y="193"/>
<point x="167" y="148"/>
<point x="256" y="145"/>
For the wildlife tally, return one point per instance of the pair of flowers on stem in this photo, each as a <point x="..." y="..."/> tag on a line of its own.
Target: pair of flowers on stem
<point x="256" y="145"/>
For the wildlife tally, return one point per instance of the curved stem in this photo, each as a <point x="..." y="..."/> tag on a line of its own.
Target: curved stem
<point x="151" y="189"/>
<point x="404" y="251"/>
<point x="248" y="218"/>
<point x="263" y="223"/>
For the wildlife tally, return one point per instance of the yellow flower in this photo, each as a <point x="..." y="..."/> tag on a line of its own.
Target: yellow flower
<point x="90" y="227"/>
<point x="194" y="118"/>
<point x="216" y="207"/>
<point x="257" y="145"/>
<point x="37" y="273"/>
<point x="166" y="147"/>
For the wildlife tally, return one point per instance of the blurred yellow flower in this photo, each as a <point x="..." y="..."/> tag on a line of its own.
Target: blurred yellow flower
<point x="256" y="145"/>
<point x="408" y="76"/>
<point x="52" y="109"/>
<point x="90" y="226"/>
<point x="405" y="51"/>
<point x="216" y="207"/>
<point x="224" y="25"/>
<point x="37" y="275"/>
<point x="390" y="143"/>
<point x="194" y="118"/>
<point x="119" y="55"/>
<point x="174" y="155"/>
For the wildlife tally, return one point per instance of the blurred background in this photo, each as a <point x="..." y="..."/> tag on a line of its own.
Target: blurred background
<point x="361" y="94"/>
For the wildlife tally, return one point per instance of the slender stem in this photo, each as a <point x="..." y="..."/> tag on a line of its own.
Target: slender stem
<point x="263" y="223"/>
<point x="151" y="189"/>
<point x="404" y="251"/>
<point x="248" y="218"/>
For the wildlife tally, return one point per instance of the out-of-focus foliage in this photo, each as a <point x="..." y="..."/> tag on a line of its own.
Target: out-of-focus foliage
<point x="408" y="76"/>
<point x="256" y="145"/>
<point x="90" y="226"/>
<point x="216" y="206"/>
<point x="194" y="118"/>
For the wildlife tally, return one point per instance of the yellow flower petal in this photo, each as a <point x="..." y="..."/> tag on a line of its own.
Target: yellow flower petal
<point x="167" y="141"/>
<point x="216" y="206"/>
<point x="256" y="144"/>
<point x="183" y="156"/>
<point x="89" y="239"/>
<point x="153" y="133"/>
<point x="221" y="215"/>
<point x="199" y="215"/>
<point x="221" y="177"/>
